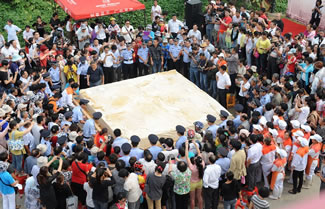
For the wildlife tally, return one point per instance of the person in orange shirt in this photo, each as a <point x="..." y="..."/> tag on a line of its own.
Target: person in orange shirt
<point x="267" y="159"/>
<point x="53" y="100"/>
<point x="278" y="174"/>
<point x="313" y="157"/>
<point x="282" y="125"/>
<point x="100" y="138"/>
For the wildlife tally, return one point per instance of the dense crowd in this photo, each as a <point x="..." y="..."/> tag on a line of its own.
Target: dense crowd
<point x="54" y="156"/>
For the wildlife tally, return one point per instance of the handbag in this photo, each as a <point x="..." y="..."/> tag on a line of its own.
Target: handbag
<point x="242" y="180"/>
<point x="71" y="202"/>
<point x="15" y="144"/>
<point x="256" y="54"/>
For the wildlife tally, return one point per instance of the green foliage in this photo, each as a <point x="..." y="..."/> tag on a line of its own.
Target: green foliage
<point x="25" y="12"/>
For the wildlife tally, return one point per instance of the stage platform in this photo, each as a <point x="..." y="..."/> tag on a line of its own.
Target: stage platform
<point x="149" y="104"/>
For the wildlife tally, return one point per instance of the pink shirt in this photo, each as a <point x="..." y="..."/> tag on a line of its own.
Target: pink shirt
<point x="195" y="172"/>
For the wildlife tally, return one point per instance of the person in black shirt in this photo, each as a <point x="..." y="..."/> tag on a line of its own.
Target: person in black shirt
<point x="62" y="191"/>
<point x="100" y="182"/>
<point x="230" y="191"/>
<point x="95" y="75"/>
<point x="55" y="21"/>
<point x="317" y="14"/>
<point x="155" y="24"/>
<point x="279" y="23"/>
<point x="40" y="26"/>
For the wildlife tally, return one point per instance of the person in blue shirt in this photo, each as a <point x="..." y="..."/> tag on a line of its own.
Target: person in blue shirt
<point x="135" y="151"/>
<point x="265" y="97"/>
<point x="212" y="127"/>
<point x="77" y="115"/>
<point x="7" y="184"/>
<point x="143" y="54"/>
<point x="239" y="109"/>
<point x="181" y="137"/>
<point x="175" y="54"/>
<point x="127" y="67"/>
<point x="223" y="161"/>
<point x="82" y="72"/>
<point x="126" y="149"/>
<point x="89" y="130"/>
<point x="186" y="59"/>
<point x="55" y="73"/>
<point x="118" y="141"/>
<point x="306" y="69"/>
<point x="154" y="149"/>
<point x="165" y="49"/>
<point x="223" y="117"/>
<point x="45" y="139"/>
<point x="68" y="120"/>
<point x="256" y="106"/>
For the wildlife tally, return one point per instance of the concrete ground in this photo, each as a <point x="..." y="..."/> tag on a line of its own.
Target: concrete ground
<point x="287" y="199"/>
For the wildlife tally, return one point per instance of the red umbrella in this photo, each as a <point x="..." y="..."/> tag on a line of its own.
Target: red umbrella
<point x="83" y="9"/>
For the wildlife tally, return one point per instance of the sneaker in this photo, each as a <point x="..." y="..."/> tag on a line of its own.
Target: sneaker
<point x="273" y="198"/>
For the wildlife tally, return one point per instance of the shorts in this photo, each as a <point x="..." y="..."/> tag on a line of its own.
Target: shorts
<point x="196" y="185"/>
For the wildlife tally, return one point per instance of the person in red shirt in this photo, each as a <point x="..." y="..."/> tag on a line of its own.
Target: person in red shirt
<point x="224" y="24"/>
<point x="44" y="55"/>
<point x="80" y="169"/>
<point x="292" y="60"/>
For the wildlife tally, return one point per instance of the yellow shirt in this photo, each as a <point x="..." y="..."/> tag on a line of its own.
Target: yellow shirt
<point x="18" y="135"/>
<point x="263" y="45"/>
<point x="71" y="73"/>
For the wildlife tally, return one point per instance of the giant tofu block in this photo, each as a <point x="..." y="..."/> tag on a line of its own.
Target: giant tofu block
<point x="154" y="103"/>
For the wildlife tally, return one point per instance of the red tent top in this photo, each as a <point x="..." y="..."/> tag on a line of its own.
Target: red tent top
<point x="83" y="9"/>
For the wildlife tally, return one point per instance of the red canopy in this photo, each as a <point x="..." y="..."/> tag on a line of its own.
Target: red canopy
<point x="83" y="9"/>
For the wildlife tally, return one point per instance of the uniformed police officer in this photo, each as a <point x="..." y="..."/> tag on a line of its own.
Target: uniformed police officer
<point x="135" y="151"/>
<point x="46" y="79"/>
<point x="127" y="57"/>
<point x="212" y="127"/>
<point x="239" y="109"/>
<point x="77" y="116"/>
<point x="186" y="59"/>
<point x="154" y="149"/>
<point x="224" y="162"/>
<point x="82" y="72"/>
<point x="223" y="116"/>
<point x="143" y="54"/>
<point x="62" y="140"/>
<point x="181" y="137"/>
<point x="126" y="148"/>
<point x="89" y="130"/>
<point x="265" y="97"/>
<point x="68" y="119"/>
<point x="45" y="139"/>
<point x="175" y="54"/>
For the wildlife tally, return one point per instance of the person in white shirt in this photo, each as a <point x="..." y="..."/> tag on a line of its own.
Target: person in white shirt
<point x="66" y="99"/>
<point x="244" y="87"/>
<point x="254" y="154"/>
<point x="83" y="36"/>
<point x="28" y="33"/>
<point x="108" y="58"/>
<point x="132" y="187"/>
<point x="14" y="48"/>
<point x="5" y="51"/>
<point x="155" y="10"/>
<point x="302" y="108"/>
<point x="128" y="32"/>
<point x="211" y="177"/>
<point x="195" y="32"/>
<point x="12" y="30"/>
<point x="223" y="84"/>
<point x="299" y="164"/>
<point x="100" y="32"/>
<point x="174" y="26"/>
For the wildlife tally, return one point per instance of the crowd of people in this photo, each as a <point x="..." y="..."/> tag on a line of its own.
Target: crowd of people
<point x="53" y="156"/>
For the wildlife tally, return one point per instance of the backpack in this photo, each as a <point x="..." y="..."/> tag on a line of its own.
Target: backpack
<point x="15" y="144"/>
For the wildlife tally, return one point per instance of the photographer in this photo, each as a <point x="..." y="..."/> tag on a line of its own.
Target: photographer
<point x="194" y="72"/>
<point x="128" y="32"/>
<point x="275" y="54"/>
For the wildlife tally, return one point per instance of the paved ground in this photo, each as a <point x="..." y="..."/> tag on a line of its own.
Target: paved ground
<point x="285" y="200"/>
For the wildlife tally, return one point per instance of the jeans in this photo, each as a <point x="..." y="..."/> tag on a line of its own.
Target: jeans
<point x="156" y="66"/>
<point x="213" y="88"/>
<point x="209" y="33"/>
<point x="17" y="161"/>
<point x="100" y="205"/>
<point x="194" y="76"/>
<point x="230" y="204"/>
<point x="222" y="40"/>
<point x="134" y="205"/>
<point x="249" y="57"/>
<point x="97" y="83"/>
<point x="204" y="81"/>
<point x="117" y="73"/>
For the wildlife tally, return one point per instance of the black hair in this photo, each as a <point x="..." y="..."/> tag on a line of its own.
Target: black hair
<point x="123" y="173"/>
<point x="57" y="150"/>
<point x="264" y="192"/>
<point x="182" y="166"/>
<point x="117" y="132"/>
<point x="120" y="164"/>
<point x="117" y="150"/>
<point x="212" y="159"/>
<point x="113" y="158"/>
<point x="161" y="157"/>
<point x="160" y="167"/>
<point x="198" y="163"/>
<point x="235" y="144"/>
<point x="230" y="175"/>
<point x="253" y="138"/>
<point x="3" y="156"/>
<point x="100" y="155"/>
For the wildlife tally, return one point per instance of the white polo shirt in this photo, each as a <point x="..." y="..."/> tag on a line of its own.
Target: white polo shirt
<point x="109" y="59"/>
<point x="223" y="80"/>
<point x="174" y="26"/>
<point x="254" y="152"/>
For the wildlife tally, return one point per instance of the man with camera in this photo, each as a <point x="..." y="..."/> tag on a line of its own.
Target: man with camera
<point x="128" y="32"/>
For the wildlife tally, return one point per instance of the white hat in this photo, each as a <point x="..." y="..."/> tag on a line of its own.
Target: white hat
<point x="306" y="128"/>
<point x="263" y="121"/>
<point x="42" y="148"/>
<point x="303" y="141"/>
<point x="2" y="113"/>
<point x="21" y="106"/>
<point x="244" y="131"/>
<point x="254" y="68"/>
<point x="94" y="150"/>
<point x="221" y="55"/>
<point x="72" y="136"/>
<point x="295" y="123"/>
<point x="317" y="137"/>
<point x="298" y="133"/>
<point x="258" y="127"/>
<point x="7" y="109"/>
<point x="282" y="124"/>
<point x="29" y="93"/>
<point x="282" y="153"/>
<point x="276" y="120"/>
<point x="41" y="161"/>
<point x="273" y="132"/>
